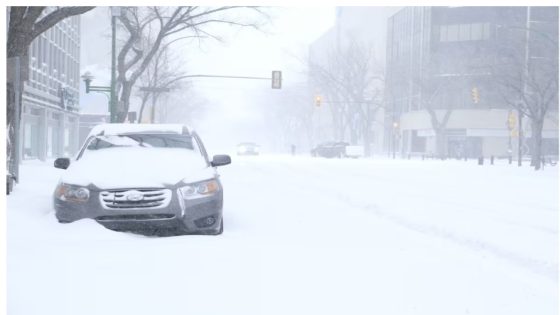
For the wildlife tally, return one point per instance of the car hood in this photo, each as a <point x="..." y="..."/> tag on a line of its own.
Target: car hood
<point x="128" y="167"/>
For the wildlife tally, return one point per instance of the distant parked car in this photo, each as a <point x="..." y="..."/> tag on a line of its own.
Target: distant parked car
<point x="153" y="178"/>
<point x="248" y="148"/>
<point x="330" y="149"/>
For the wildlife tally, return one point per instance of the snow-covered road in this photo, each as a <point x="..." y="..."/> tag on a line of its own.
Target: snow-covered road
<point x="306" y="236"/>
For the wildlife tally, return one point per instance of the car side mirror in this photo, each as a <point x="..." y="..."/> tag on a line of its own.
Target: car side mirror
<point x="62" y="163"/>
<point x="220" y="160"/>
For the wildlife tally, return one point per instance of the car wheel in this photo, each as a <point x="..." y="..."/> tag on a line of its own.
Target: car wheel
<point x="220" y="229"/>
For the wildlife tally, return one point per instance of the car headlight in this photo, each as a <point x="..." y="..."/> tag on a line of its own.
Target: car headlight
<point x="199" y="190"/>
<point x="71" y="193"/>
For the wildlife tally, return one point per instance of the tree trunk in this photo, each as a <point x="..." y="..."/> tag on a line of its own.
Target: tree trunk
<point x="440" y="143"/>
<point x="122" y="110"/>
<point x="10" y="125"/>
<point x="367" y="139"/>
<point x="14" y="91"/>
<point x="353" y="135"/>
<point x="536" y="139"/>
<point x="142" y="106"/>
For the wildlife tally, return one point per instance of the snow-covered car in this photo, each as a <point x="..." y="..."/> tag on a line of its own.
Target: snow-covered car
<point x="150" y="178"/>
<point x="248" y="148"/>
<point x="330" y="149"/>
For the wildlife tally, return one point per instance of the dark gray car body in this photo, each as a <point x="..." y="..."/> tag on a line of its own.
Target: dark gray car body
<point x="178" y="217"/>
<point x="153" y="210"/>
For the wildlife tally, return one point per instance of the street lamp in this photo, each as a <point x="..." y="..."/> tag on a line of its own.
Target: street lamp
<point x="88" y="77"/>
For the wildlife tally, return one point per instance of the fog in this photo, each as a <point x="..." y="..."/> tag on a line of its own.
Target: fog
<point x="233" y="110"/>
<point x="405" y="163"/>
<point x="376" y="91"/>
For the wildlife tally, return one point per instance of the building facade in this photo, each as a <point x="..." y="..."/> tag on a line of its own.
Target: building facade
<point x="442" y="66"/>
<point x="51" y="94"/>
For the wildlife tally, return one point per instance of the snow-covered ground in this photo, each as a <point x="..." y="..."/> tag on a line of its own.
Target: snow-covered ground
<point x="306" y="236"/>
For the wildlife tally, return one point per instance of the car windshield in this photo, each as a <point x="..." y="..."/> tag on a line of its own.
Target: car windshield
<point x="141" y="140"/>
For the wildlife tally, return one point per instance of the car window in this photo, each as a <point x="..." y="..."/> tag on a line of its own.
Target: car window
<point x="142" y="140"/>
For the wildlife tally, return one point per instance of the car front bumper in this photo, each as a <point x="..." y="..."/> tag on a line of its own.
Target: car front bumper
<point x="201" y="215"/>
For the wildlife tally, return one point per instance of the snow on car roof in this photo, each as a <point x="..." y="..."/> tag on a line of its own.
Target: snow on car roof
<point x="116" y="129"/>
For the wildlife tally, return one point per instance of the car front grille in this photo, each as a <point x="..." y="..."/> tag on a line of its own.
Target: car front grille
<point x="125" y="199"/>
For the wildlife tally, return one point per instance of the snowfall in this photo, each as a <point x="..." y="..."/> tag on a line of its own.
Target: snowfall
<point x="306" y="235"/>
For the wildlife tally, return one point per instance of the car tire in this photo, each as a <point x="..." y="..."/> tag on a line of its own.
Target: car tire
<point x="220" y="229"/>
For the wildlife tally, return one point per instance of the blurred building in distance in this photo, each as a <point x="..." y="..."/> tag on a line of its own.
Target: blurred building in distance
<point x="442" y="72"/>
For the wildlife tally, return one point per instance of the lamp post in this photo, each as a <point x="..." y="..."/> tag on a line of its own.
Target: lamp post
<point x="88" y="77"/>
<point x="115" y="12"/>
<point x="111" y="90"/>
<point x="395" y="131"/>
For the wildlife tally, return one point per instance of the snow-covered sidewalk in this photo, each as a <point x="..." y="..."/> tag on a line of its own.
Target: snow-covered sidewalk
<point x="306" y="236"/>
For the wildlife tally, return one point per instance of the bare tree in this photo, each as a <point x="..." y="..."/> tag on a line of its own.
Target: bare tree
<point x="148" y="27"/>
<point x="353" y="81"/>
<point x="25" y="24"/>
<point x="442" y="84"/>
<point x="526" y="72"/>
<point x="162" y="73"/>
<point x="291" y="115"/>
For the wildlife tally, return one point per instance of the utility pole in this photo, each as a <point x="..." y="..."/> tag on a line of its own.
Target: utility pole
<point x="519" y="137"/>
<point x="115" y="11"/>
<point x="526" y="75"/>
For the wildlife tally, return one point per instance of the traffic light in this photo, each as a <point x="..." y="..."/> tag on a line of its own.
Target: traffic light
<point x="318" y="100"/>
<point x="276" y="79"/>
<point x="511" y="121"/>
<point x="475" y="95"/>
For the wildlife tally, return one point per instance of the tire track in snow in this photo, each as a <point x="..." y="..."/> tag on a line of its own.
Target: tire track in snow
<point x="547" y="269"/>
<point x="544" y="268"/>
<point x="491" y="215"/>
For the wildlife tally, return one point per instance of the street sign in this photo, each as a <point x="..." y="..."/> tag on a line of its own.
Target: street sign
<point x="131" y="117"/>
<point x="276" y="79"/>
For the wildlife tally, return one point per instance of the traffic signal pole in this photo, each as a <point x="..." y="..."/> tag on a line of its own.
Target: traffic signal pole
<point x="519" y="138"/>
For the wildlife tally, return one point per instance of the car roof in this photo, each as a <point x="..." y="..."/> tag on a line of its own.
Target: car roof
<point x="117" y="129"/>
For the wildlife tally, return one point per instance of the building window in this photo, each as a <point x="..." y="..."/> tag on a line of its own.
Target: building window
<point x="464" y="32"/>
<point x="476" y="31"/>
<point x="452" y="33"/>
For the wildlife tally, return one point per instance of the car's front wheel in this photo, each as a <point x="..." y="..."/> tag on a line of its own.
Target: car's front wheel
<point x="221" y="230"/>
